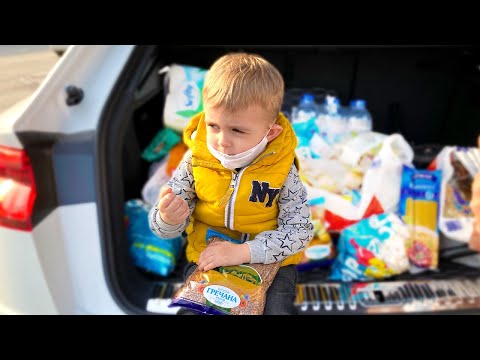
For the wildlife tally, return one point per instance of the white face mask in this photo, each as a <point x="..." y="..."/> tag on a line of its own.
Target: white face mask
<point x="240" y="160"/>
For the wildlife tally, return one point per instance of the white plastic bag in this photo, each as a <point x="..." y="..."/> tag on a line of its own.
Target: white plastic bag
<point x="159" y="178"/>
<point x="380" y="191"/>
<point x="456" y="218"/>
<point x="360" y="150"/>
<point x="383" y="178"/>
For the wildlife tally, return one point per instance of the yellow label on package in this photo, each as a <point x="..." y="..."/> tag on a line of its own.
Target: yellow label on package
<point x="419" y="199"/>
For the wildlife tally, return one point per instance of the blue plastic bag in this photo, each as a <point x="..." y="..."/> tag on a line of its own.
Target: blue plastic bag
<point x="147" y="250"/>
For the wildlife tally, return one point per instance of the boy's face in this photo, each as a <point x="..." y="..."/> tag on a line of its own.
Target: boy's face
<point x="233" y="133"/>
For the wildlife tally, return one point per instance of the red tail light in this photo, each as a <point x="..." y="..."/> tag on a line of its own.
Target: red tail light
<point x="17" y="189"/>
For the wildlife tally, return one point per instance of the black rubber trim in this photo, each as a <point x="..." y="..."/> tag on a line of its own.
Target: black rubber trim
<point x="122" y="280"/>
<point x="63" y="168"/>
<point x="38" y="147"/>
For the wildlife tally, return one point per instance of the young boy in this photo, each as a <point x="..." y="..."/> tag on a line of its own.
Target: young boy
<point x="240" y="178"/>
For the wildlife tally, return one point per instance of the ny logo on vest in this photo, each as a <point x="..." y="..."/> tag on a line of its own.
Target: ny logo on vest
<point x="260" y="191"/>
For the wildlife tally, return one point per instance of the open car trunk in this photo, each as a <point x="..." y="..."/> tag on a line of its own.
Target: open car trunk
<point x="429" y="94"/>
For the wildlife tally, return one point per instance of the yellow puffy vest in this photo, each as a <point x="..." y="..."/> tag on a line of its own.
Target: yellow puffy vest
<point x="238" y="212"/>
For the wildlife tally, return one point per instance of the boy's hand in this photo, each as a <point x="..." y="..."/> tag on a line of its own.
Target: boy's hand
<point x="173" y="209"/>
<point x="475" y="205"/>
<point x="223" y="253"/>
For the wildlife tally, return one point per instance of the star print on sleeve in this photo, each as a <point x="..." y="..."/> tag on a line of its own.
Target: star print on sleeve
<point x="182" y="184"/>
<point x="291" y="195"/>
<point x="286" y="242"/>
<point x="284" y="213"/>
<point x="268" y="236"/>
<point x="279" y="257"/>
<point x="295" y="228"/>
<point x="187" y="178"/>
<point x="299" y="207"/>
<point x="292" y="219"/>
<point x="296" y="179"/>
<point x="267" y="248"/>
<point x="303" y="241"/>
<point x="187" y="195"/>
<point x="182" y="181"/>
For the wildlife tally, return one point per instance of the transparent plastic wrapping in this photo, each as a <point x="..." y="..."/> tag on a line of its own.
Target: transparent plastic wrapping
<point x="227" y="290"/>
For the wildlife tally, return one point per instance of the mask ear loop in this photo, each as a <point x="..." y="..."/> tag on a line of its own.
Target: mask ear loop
<point x="270" y="128"/>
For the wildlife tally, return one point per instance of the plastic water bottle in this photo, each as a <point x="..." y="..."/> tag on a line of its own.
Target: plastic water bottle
<point x="306" y="110"/>
<point x="304" y="118"/>
<point x="336" y="125"/>
<point x="322" y="119"/>
<point x="360" y="119"/>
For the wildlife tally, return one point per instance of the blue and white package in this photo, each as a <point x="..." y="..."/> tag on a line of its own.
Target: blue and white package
<point x="184" y="86"/>
<point x="148" y="251"/>
<point x="373" y="248"/>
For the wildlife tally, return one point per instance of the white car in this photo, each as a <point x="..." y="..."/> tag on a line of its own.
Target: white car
<point x="70" y="156"/>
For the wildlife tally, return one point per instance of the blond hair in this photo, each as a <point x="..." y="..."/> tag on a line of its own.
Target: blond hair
<point x="237" y="80"/>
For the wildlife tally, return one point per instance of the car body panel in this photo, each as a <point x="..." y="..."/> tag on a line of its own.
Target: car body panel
<point x="94" y="69"/>
<point x="32" y="281"/>
<point x="7" y="120"/>
<point x="23" y="286"/>
<point x="77" y="276"/>
<point x="35" y="282"/>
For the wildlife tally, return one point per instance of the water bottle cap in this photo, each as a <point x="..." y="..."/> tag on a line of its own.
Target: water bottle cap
<point x="332" y="100"/>
<point x="307" y="98"/>
<point x="358" y="104"/>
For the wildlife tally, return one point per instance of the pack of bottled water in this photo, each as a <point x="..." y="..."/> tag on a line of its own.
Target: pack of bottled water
<point x="328" y="123"/>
